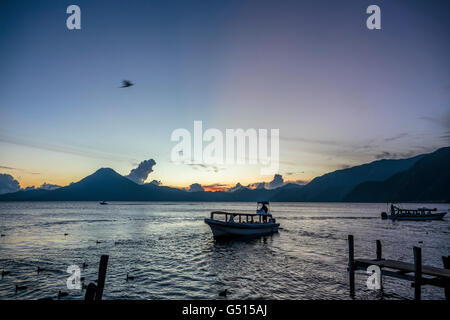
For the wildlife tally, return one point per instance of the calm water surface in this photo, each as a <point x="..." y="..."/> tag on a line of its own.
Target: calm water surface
<point x="171" y="253"/>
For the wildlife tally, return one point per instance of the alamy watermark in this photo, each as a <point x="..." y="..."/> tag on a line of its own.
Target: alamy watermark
<point x="74" y="281"/>
<point x="374" y="280"/>
<point x="73" y="22"/>
<point x="236" y="146"/>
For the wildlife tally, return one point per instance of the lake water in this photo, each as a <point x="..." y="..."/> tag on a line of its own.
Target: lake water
<point x="171" y="253"/>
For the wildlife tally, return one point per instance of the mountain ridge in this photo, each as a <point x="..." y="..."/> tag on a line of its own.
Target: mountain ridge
<point x="360" y="183"/>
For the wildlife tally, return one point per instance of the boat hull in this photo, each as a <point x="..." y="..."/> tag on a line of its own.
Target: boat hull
<point x="234" y="229"/>
<point x="434" y="216"/>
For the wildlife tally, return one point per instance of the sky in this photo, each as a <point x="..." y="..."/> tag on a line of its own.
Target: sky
<point x="339" y="93"/>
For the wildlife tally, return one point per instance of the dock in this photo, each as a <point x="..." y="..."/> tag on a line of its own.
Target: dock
<point x="418" y="274"/>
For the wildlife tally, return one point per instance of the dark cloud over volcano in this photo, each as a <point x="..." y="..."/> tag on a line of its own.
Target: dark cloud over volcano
<point x="140" y="174"/>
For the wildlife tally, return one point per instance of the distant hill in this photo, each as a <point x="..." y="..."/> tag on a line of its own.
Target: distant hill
<point x="334" y="186"/>
<point x="421" y="178"/>
<point x="428" y="180"/>
<point x="104" y="184"/>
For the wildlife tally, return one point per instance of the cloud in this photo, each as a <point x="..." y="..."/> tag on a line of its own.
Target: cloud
<point x="394" y="155"/>
<point x="196" y="187"/>
<point x="299" y="182"/>
<point x="17" y="169"/>
<point x="443" y="120"/>
<point x="140" y="174"/>
<point x="216" y="187"/>
<point x="7" y="168"/>
<point x="237" y="187"/>
<point x="49" y="186"/>
<point x="8" y="184"/>
<point x="396" y="137"/>
<point x="276" y="182"/>
<point x="82" y="151"/>
<point x="260" y="185"/>
<point x="257" y="185"/>
<point x="156" y="182"/>
<point x="207" y="167"/>
<point x="307" y="140"/>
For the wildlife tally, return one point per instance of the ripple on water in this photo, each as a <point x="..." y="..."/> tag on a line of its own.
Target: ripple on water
<point x="171" y="254"/>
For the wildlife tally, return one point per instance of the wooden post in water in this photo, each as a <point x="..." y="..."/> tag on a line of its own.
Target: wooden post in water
<point x="90" y="292"/>
<point x="380" y="257"/>
<point x="101" y="276"/>
<point x="446" y="261"/>
<point x="417" y="272"/>
<point x="379" y="252"/>
<point x="351" y="261"/>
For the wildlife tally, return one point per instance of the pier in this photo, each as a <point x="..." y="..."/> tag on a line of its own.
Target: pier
<point x="418" y="274"/>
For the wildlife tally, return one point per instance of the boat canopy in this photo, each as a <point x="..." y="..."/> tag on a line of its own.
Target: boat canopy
<point x="263" y="202"/>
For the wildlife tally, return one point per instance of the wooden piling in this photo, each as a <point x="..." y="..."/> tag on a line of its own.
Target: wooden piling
<point x="90" y="292"/>
<point x="417" y="272"/>
<point x="379" y="251"/>
<point x="101" y="276"/>
<point x="446" y="261"/>
<point x="351" y="261"/>
<point x="379" y="258"/>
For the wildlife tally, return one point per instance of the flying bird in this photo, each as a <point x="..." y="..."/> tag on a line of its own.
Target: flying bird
<point x="126" y="84"/>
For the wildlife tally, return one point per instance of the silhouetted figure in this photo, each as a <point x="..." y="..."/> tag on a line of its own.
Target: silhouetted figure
<point x="39" y="269"/>
<point x="126" y="84"/>
<point x="130" y="277"/>
<point x="5" y="273"/>
<point x="223" y="293"/>
<point x="264" y="208"/>
<point x="62" y="294"/>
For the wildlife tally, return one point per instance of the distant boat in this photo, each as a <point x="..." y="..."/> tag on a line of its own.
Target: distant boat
<point x="103" y="202"/>
<point x="243" y="224"/>
<point x="413" y="214"/>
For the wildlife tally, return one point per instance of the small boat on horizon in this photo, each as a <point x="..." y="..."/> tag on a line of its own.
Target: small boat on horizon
<point x="103" y="202"/>
<point x="413" y="214"/>
<point x="243" y="224"/>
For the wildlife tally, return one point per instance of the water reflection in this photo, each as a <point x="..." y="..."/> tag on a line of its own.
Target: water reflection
<point x="171" y="253"/>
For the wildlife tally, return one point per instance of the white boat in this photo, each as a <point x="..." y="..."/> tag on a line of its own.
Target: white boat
<point x="243" y="224"/>
<point x="413" y="214"/>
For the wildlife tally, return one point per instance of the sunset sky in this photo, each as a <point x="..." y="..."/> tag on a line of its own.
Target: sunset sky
<point x="340" y="94"/>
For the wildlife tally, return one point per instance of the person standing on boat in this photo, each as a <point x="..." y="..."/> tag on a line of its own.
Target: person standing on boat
<point x="264" y="208"/>
<point x="264" y="212"/>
